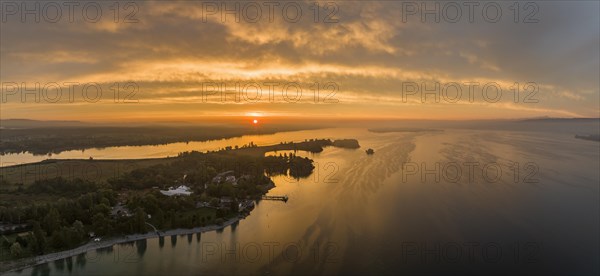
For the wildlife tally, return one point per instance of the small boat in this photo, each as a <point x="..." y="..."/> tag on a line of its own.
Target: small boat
<point x="370" y="151"/>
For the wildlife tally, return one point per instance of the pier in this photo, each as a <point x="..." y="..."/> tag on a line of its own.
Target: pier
<point x="281" y="198"/>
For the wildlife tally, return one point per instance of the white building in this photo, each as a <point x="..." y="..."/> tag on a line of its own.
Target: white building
<point x="181" y="190"/>
<point x="230" y="179"/>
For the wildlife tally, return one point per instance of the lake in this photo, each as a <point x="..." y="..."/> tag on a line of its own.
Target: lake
<point x="457" y="201"/>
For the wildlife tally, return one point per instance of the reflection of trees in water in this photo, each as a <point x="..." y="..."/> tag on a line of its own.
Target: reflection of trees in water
<point x="292" y="166"/>
<point x="69" y="261"/>
<point x="173" y="240"/>
<point x="80" y="260"/>
<point x="189" y="238"/>
<point x="234" y="225"/>
<point x="141" y="246"/>
<point x="59" y="264"/>
<point x="198" y="236"/>
<point x="105" y="250"/>
<point x="42" y="269"/>
<point x="161" y="241"/>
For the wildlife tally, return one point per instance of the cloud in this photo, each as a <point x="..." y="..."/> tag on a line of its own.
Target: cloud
<point x="368" y="50"/>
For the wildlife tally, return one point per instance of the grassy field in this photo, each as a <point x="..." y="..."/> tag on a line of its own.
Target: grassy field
<point x="98" y="171"/>
<point x="94" y="170"/>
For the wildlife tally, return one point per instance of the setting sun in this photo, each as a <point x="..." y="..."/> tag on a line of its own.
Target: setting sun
<point x="255" y="121"/>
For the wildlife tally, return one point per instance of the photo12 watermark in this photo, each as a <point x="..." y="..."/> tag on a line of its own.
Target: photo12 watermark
<point x="268" y="11"/>
<point x="69" y="11"/>
<point x="470" y="172"/>
<point x="246" y="12"/>
<point x="469" y="11"/>
<point x="469" y="92"/>
<point x="69" y="92"/>
<point x="269" y="92"/>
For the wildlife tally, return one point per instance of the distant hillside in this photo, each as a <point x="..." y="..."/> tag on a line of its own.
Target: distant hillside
<point x="44" y="140"/>
<point x="562" y="120"/>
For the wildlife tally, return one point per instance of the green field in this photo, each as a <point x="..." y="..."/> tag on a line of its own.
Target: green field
<point x="93" y="170"/>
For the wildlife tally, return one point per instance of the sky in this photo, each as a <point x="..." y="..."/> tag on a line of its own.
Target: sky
<point x="204" y="60"/>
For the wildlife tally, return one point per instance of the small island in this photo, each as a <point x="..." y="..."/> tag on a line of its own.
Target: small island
<point x="590" y="137"/>
<point x="370" y="151"/>
<point x="346" y="143"/>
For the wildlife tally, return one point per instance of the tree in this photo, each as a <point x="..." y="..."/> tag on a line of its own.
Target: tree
<point x="16" y="249"/>
<point x="213" y="190"/>
<point x="39" y="238"/>
<point x="227" y="189"/>
<point x="214" y="202"/>
<point x="56" y="240"/>
<point x="100" y="224"/>
<point x="101" y="208"/>
<point x="150" y="204"/>
<point x="52" y="221"/>
<point x="22" y="241"/>
<point x="140" y="220"/>
<point x="234" y="206"/>
<point x="79" y="230"/>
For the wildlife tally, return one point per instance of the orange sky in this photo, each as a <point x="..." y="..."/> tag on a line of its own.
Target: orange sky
<point x="180" y="61"/>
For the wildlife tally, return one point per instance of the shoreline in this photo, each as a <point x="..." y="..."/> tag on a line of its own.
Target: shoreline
<point x="10" y="266"/>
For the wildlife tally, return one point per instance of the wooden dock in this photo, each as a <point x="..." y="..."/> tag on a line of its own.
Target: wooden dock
<point x="281" y="198"/>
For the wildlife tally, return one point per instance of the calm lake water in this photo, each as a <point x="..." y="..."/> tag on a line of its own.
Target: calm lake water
<point x="458" y="201"/>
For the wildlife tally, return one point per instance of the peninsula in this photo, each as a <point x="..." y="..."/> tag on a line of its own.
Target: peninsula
<point x="136" y="199"/>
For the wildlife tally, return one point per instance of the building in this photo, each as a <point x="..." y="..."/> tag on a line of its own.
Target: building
<point x="181" y="190"/>
<point x="223" y="177"/>
<point x="231" y="179"/>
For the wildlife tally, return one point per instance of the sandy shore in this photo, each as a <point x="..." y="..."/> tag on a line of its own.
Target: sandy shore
<point x="32" y="261"/>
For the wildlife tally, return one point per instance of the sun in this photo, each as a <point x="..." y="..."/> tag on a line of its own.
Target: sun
<point x="255" y="121"/>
